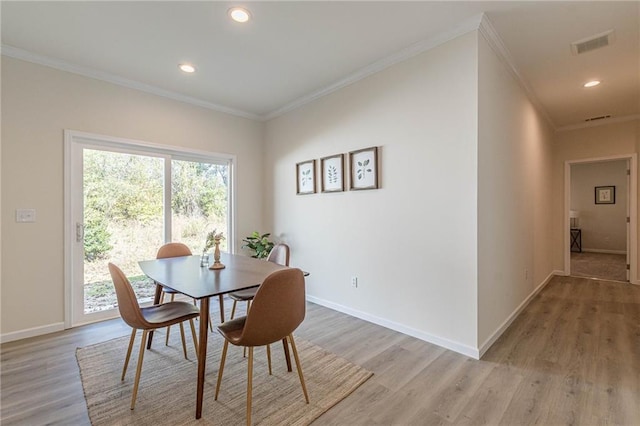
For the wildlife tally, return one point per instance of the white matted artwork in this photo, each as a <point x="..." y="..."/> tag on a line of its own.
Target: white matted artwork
<point x="306" y="177"/>
<point x="332" y="169"/>
<point x="364" y="168"/>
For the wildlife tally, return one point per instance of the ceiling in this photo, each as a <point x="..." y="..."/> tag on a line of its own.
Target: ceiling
<point x="291" y="52"/>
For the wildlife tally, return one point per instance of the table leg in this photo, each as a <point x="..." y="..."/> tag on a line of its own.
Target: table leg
<point x="156" y="300"/>
<point x="287" y="357"/>
<point x="202" y="353"/>
<point x="221" y="308"/>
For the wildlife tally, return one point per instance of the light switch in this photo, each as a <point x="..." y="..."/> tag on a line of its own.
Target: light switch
<point x="25" y="215"/>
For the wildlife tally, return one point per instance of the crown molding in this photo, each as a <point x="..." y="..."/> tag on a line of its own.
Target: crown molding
<point x="495" y="42"/>
<point x="599" y="123"/>
<point x="415" y="49"/>
<point x="16" y="53"/>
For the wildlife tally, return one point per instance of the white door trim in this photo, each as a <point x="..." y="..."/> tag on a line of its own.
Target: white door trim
<point x="633" y="206"/>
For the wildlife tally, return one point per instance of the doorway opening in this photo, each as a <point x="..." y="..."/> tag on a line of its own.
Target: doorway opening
<point x="600" y="212"/>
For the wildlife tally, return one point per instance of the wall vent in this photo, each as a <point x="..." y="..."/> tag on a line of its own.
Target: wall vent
<point x="592" y="43"/>
<point x="602" y="117"/>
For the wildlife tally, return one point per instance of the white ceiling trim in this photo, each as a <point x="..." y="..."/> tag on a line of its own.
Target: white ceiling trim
<point x="415" y="49"/>
<point x="491" y="35"/>
<point x="597" y="123"/>
<point x="14" y="52"/>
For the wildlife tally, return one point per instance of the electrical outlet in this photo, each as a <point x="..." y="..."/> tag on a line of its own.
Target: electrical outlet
<point x="526" y="274"/>
<point x="354" y="282"/>
<point x="25" y="215"/>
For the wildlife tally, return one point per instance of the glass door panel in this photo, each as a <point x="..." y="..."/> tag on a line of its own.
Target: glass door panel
<point x="123" y="222"/>
<point x="199" y="202"/>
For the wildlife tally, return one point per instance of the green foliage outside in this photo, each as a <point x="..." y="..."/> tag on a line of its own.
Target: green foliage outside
<point x="123" y="213"/>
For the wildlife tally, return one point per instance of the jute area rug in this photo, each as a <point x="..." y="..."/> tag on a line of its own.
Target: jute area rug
<point x="167" y="392"/>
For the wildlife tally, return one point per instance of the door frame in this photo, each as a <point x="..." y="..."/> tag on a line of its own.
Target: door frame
<point x="632" y="197"/>
<point x="74" y="140"/>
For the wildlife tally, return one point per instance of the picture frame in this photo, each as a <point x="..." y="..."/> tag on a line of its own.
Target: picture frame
<point x="306" y="177"/>
<point x="605" y="194"/>
<point x="363" y="165"/>
<point x="332" y="170"/>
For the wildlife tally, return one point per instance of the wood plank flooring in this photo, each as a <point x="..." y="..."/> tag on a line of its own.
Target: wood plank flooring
<point x="571" y="358"/>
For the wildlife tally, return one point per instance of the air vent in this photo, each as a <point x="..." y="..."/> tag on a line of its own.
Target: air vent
<point x="592" y="43"/>
<point x="602" y="117"/>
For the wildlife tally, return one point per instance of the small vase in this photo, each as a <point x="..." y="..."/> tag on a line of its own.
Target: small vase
<point x="204" y="260"/>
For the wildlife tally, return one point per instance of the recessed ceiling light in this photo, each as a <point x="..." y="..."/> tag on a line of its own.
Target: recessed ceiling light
<point x="239" y="14"/>
<point x="187" y="68"/>
<point x="592" y="83"/>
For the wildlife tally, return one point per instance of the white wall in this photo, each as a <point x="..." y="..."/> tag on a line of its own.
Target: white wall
<point x="604" y="226"/>
<point x="614" y="139"/>
<point x="38" y="103"/>
<point x="412" y="243"/>
<point x="514" y="207"/>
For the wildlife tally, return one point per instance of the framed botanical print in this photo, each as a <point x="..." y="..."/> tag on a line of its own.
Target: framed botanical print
<point x="605" y="194"/>
<point x="332" y="170"/>
<point x="306" y="177"/>
<point x="363" y="165"/>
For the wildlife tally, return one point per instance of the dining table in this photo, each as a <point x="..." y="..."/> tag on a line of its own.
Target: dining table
<point x="185" y="275"/>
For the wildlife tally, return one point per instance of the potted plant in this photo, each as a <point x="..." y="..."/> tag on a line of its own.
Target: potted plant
<point x="260" y="245"/>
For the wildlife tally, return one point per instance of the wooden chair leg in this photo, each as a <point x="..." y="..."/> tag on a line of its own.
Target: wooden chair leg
<point x="249" y="384"/>
<point x="139" y="368"/>
<point x="193" y="336"/>
<point x="126" y="360"/>
<point x="184" y="341"/>
<point x="299" y="367"/>
<point x="269" y="358"/>
<point x="222" y="360"/>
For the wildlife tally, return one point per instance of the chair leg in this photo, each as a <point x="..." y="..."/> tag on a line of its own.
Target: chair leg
<point x="299" y="367"/>
<point x="269" y="358"/>
<point x="126" y="360"/>
<point x="222" y="360"/>
<point x="249" y="384"/>
<point x="184" y="342"/>
<point x="193" y="336"/>
<point x="139" y="368"/>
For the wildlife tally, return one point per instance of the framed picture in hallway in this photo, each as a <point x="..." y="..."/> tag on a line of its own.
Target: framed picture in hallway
<point x="605" y="194"/>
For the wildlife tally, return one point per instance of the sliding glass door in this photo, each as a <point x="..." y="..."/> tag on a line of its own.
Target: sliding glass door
<point x="126" y="200"/>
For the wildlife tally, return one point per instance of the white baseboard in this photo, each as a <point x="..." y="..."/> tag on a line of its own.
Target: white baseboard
<point x="31" y="332"/>
<point x="436" y="340"/>
<point x="592" y="250"/>
<point x="498" y="332"/>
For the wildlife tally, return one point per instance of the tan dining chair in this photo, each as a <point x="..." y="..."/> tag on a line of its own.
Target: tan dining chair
<point x="278" y="309"/>
<point x="174" y="250"/>
<point x="147" y="319"/>
<point x="279" y="254"/>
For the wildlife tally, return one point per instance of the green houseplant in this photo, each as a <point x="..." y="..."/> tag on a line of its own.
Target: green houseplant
<point x="260" y="245"/>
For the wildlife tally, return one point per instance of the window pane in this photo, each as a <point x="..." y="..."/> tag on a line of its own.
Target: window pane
<point x="199" y="202"/>
<point x="123" y="220"/>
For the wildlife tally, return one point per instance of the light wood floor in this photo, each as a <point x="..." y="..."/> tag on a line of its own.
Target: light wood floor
<point x="606" y="266"/>
<point x="571" y="358"/>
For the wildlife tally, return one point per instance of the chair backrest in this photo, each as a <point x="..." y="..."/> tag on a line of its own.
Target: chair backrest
<point x="127" y="301"/>
<point x="173" y="250"/>
<point x="279" y="254"/>
<point x="277" y="309"/>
